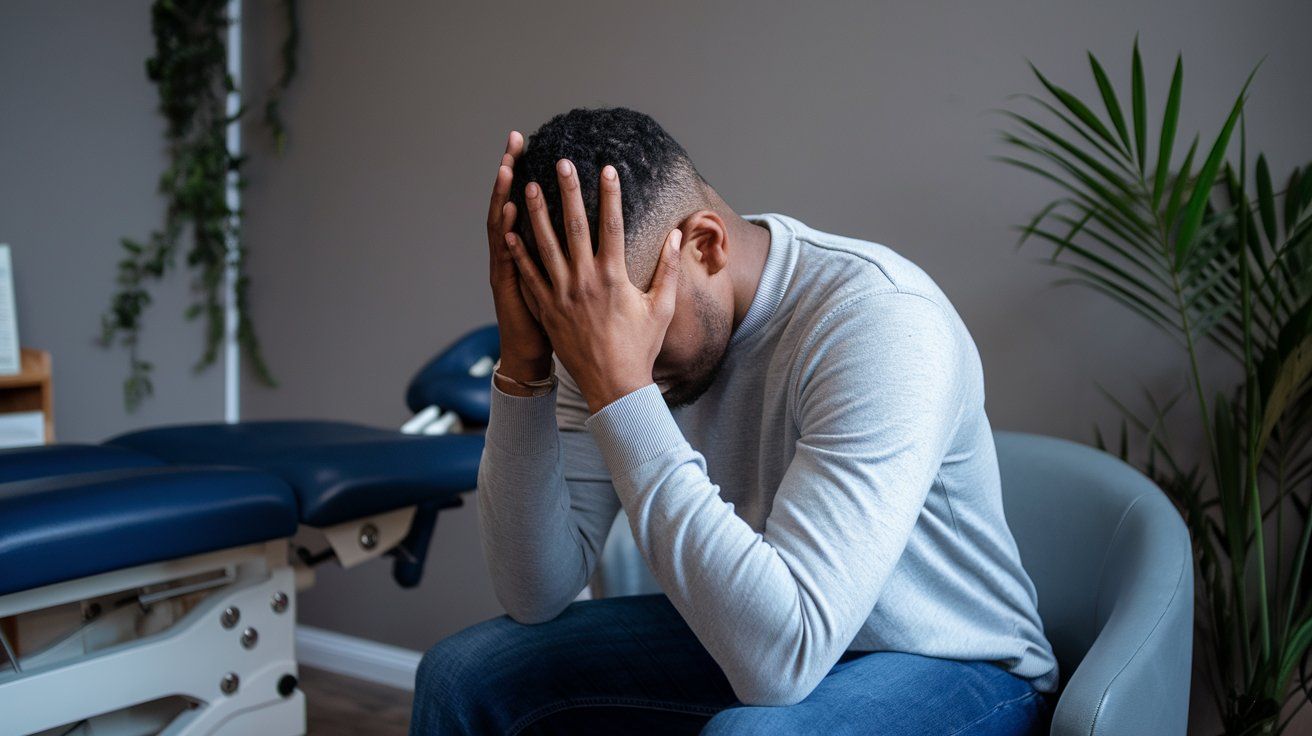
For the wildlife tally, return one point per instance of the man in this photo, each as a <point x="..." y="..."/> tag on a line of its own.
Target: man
<point x="793" y="423"/>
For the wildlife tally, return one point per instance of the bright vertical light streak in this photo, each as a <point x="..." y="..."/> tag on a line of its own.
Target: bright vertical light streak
<point x="231" y="349"/>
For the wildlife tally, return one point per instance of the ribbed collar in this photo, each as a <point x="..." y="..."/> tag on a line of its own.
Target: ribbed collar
<point x="775" y="276"/>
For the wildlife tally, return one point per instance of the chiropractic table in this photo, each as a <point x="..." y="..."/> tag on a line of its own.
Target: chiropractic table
<point x="148" y="584"/>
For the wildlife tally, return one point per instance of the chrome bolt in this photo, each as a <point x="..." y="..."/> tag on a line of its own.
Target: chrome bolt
<point x="231" y="615"/>
<point x="280" y="602"/>
<point x="368" y="536"/>
<point x="229" y="683"/>
<point x="249" y="637"/>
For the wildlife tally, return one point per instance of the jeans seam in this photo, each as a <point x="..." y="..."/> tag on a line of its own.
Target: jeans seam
<point x="528" y="719"/>
<point x="996" y="708"/>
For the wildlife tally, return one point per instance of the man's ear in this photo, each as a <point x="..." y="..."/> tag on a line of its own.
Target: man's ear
<point x="707" y="239"/>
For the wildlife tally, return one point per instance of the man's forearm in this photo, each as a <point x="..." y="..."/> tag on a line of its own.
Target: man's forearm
<point x="774" y="609"/>
<point x="530" y="540"/>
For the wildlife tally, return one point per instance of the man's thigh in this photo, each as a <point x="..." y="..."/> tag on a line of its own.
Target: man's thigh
<point x="618" y="665"/>
<point x="891" y="693"/>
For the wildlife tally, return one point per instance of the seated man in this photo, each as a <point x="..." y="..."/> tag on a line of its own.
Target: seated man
<point x="793" y="422"/>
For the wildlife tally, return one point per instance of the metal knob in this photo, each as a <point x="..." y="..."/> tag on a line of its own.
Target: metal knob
<point x="368" y="536"/>
<point x="229" y="683"/>
<point x="280" y="602"/>
<point x="231" y="615"/>
<point x="249" y="637"/>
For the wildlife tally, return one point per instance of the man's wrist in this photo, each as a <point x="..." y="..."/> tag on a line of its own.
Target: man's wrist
<point x="613" y="391"/>
<point x="524" y="388"/>
<point x="525" y="369"/>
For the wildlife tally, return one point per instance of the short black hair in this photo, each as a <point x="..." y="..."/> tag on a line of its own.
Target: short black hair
<point x="657" y="178"/>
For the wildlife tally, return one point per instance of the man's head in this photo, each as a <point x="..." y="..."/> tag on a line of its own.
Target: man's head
<point x="661" y="190"/>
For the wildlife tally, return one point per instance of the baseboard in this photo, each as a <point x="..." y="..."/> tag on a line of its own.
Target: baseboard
<point x="352" y="656"/>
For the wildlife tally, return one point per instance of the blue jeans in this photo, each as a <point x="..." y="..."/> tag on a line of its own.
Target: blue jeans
<point x="632" y="666"/>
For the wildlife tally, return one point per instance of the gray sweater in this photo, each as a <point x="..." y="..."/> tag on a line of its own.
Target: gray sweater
<point x="836" y="488"/>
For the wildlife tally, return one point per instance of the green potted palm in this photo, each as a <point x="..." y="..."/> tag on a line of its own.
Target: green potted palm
<point x="1205" y="244"/>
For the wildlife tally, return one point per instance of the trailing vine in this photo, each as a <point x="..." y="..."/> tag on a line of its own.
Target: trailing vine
<point x="189" y="69"/>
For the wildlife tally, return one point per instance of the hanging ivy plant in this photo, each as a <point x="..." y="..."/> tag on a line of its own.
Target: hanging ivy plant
<point x="189" y="69"/>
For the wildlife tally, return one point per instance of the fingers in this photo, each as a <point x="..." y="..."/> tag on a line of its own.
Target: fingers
<point x="545" y="235"/>
<point x="514" y="147"/>
<point x="665" y="285"/>
<point x="508" y="214"/>
<point x="610" y="229"/>
<point x="500" y="254"/>
<point x="528" y="271"/>
<point x="501" y="186"/>
<point x="500" y="195"/>
<point x="575" y="216"/>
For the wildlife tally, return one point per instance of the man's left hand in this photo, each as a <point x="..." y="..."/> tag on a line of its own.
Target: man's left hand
<point x="606" y="332"/>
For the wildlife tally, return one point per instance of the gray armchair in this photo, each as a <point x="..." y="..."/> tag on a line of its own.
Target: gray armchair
<point x="1112" y="563"/>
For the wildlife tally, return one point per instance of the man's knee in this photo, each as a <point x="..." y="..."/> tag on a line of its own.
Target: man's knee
<point x="456" y="668"/>
<point x="749" y="720"/>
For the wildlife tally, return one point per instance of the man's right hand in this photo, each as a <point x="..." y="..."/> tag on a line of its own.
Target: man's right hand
<point x="525" y="348"/>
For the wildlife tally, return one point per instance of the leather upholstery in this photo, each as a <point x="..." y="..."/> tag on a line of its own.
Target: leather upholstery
<point x="445" y="381"/>
<point x="1113" y="566"/>
<point x="68" y="526"/>
<point x="21" y="463"/>
<point x="1112" y="562"/>
<point x="339" y="471"/>
<point x="68" y="511"/>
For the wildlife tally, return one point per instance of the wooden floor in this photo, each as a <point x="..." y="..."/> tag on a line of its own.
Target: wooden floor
<point x="342" y="706"/>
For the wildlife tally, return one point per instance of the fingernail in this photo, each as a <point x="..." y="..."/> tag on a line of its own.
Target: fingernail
<point x="531" y="190"/>
<point x="678" y="240"/>
<point x="563" y="166"/>
<point x="608" y="172"/>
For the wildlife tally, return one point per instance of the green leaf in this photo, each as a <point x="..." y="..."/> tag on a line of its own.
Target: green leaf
<point x="1139" y="104"/>
<point x="1093" y="202"/>
<point x="1298" y="643"/>
<point x="1181" y="183"/>
<point x="1120" y="205"/>
<point x="1266" y="200"/>
<point x="1079" y="109"/>
<point x="1110" y="153"/>
<point x="1295" y="370"/>
<point x="1126" y="187"/>
<point x="1169" y="119"/>
<point x="1193" y="212"/>
<point x="1124" y="279"/>
<point x="1291" y="198"/>
<point x="1034" y="221"/>
<point x="1109" y="101"/>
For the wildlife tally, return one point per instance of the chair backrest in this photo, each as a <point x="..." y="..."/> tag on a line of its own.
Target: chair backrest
<point x="1111" y="560"/>
<point x="1112" y="564"/>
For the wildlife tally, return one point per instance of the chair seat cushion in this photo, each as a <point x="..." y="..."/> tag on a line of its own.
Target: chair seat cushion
<point x="339" y="471"/>
<point x="63" y="527"/>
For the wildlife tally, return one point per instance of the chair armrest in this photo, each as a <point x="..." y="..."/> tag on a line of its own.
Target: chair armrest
<point x="1135" y="678"/>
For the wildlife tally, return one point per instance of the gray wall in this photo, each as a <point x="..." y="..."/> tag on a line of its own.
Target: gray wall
<point x="366" y="237"/>
<point x="860" y="118"/>
<point x="81" y="150"/>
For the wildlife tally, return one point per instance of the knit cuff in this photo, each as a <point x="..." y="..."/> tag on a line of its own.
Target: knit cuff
<point x="634" y="429"/>
<point x="520" y="425"/>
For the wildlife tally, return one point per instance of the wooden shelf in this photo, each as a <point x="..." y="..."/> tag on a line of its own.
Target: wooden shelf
<point x="31" y="389"/>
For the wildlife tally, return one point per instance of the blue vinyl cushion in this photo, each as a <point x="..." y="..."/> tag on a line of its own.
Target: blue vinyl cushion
<point x="339" y="471"/>
<point x="445" y="381"/>
<point x="38" y="462"/>
<point x="64" y="527"/>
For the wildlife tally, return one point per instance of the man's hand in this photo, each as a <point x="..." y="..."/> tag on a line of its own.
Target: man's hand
<point x="605" y="331"/>
<point x="525" y="349"/>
